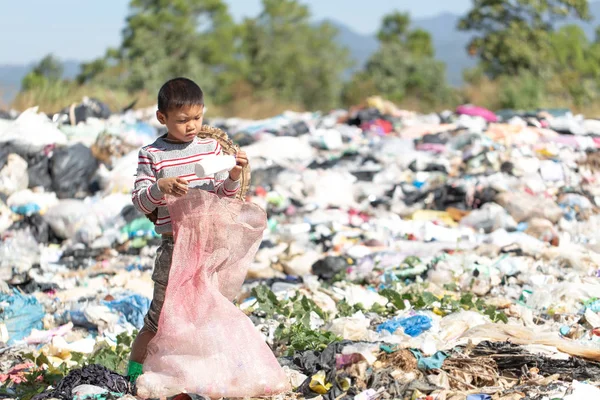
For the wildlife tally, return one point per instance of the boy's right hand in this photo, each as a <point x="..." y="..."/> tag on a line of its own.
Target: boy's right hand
<point x="173" y="186"/>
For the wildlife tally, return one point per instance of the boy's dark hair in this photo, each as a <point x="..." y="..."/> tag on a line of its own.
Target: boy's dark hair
<point x="178" y="93"/>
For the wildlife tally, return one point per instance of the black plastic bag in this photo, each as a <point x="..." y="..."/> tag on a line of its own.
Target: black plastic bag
<point x="89" y="108"/>
<point x="328" y="267"/>
<point x="72" y="171"/>
<point x="39" y="228"/>
<point x="5" y="115"/>
<point x="39" y="171"/>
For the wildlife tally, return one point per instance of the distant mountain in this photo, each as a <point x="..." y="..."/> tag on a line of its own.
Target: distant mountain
<point x="449" y="44"/>
<point x="361" y="46"/>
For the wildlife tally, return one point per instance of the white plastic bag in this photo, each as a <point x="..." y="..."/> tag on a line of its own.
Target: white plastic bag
<point x="489" y="218"/>
<point x="33" y="128"/>
<point x="14" y="177"/>
<point x="355" y="327"/>
<point x="75" y="220"/>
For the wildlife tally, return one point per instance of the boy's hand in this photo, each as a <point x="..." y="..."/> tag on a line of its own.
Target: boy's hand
<point x="241" y="160"/>
<point x="173" y="186"/>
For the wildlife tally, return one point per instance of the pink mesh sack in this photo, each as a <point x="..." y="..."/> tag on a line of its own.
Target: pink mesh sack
<point x="205" y="345"/>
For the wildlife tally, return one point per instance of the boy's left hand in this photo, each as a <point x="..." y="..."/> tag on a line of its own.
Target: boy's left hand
<point x="241" y="160"/>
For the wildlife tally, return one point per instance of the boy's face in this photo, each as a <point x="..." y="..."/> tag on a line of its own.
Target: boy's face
<point x="182" y="124"/>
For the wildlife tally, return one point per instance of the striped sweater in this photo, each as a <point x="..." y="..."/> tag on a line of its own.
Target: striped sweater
<point x="167" y="159"/>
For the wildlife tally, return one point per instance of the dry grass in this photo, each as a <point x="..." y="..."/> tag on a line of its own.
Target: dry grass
<point x="253" y="108"/>
<point x="4" y="105"/>
<point x="53" y="98"/>
<point x="247" y="104"/>
<point x="484" y="94"/>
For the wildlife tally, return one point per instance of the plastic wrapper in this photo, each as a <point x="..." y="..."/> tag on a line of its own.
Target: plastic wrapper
<point x="205" y="344"/>
<point x="13" y="177"/>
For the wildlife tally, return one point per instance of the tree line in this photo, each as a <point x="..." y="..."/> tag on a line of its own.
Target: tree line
<point x="523" y="47"/>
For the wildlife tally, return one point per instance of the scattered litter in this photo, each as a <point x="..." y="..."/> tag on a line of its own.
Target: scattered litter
<point x="450" y="256"/>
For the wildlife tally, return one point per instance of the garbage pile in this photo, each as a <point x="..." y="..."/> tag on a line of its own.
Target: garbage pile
<point x="444" y="256"/>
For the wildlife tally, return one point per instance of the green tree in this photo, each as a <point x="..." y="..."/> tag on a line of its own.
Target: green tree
<point x="524" y="91"/>
<point x="575" y="63"/>
<point x="398" y="74"/>
<point x="419" y="43"/>
<point x="360" y="87"/>
<point x="96" y="70"/>
<point x="515" y="35"/>
<point x="395" y="29"/>
<point x="284" y="54"/>
<point x="167" y="38"/>
<point x="404" y="66"/>
<point x="48" y="70"/>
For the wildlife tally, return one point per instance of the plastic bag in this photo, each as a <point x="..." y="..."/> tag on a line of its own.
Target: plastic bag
<point x="5" y="217"/>
<point x="329" y="188"/>
<point x="19" y="314"/>
<point x="37" y="159"/>
<point x="18" y="252"/>
<point x="75" y="220"/>
<point x="583" y="391"/>
<point x="489" y="218"/>
<point x="285" y="151"/>
<point x="88" y="108"/>
<point x="121" y="178"/>
<point x="72" y="171"/>
<point x="205" y="344"/>
<point x="39" y="171"/>
<point x="14" y="177"/>
<point x="355" y="327"/>
<point x="413" y="326"/>
<point x="41" y="200"/>
<point x="33" y="128"/>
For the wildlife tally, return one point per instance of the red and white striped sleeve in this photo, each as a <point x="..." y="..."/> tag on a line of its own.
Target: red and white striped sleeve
<point x="146" y="195"/>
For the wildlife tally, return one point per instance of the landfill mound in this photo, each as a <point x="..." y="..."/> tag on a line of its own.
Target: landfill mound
<point x="444" y="256"/>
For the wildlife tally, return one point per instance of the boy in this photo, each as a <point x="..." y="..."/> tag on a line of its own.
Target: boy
<point x="166" y="167"/>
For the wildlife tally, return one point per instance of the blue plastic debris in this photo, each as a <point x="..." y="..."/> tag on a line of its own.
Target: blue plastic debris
<point x="20" y="314"/>
<point x="522" y="226"/>
<point x="428" y="363"/>
<point x="594" y="306"/>
<point x="26" y="209"/>
<point x="479" y="397"/>
<point x="133" y="308"/>
<point x="413" y="326"/>
<point x="78" y="318"/>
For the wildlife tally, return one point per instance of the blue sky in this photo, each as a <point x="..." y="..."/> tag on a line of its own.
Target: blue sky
<point x="83" y="29"/>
